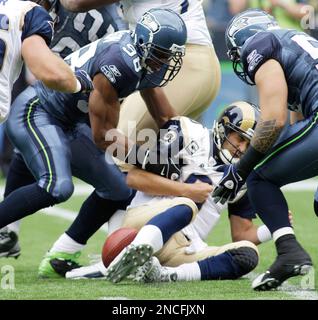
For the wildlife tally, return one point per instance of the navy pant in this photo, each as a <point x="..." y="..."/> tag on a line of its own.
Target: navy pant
<point x="53" y="151"/>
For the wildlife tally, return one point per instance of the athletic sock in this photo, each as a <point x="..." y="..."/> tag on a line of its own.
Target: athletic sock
<point x="23" y="202"/>
<point x="94" y="212"/>
<point x="187" y="271"/>
<point x="66" y="244"/>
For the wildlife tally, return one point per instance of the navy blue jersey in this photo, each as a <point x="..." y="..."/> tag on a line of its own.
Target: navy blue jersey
<point x="75" y="30"/>
<point x="38" y="21"/>
<point x="297" y="53"/>
<point x="115" y="57"/>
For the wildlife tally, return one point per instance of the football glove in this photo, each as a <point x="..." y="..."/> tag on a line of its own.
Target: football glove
<point x="230" y="184"/>
<point x="154" y="161"/>
<point x="85" y="81"/>
<point x="161" y="165"/>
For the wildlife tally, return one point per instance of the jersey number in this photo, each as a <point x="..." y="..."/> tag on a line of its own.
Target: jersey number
<point x="4" y="26"/>
<point x="309" y="44"/>
<point x="184" y="6"/>
<point x="131" y="51"/>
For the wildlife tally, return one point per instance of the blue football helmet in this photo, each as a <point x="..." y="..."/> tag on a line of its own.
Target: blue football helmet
<point x="240" y="117"/>
<point x="242" y="27"/>
<point x="160" y="38"/>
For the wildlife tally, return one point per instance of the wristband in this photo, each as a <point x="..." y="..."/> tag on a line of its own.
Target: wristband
<point x="247" y="163"/>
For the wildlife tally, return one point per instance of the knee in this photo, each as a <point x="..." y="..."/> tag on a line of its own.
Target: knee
<point x="63" y="190"/>
<point x="246" y="259"/>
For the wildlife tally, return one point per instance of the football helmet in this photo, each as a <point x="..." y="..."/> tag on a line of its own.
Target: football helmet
<point x="242" y="27"/>
<point x="160" y="38"/>
<point x="240" y="117"/>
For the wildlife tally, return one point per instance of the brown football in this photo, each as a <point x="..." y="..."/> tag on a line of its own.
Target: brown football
<point x="116" y="242"/>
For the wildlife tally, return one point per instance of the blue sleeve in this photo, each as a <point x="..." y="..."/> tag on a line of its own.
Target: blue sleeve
<point x="261" y="48"/>
<point x="242" y="208"/>
<point x="113" y="66"/>
<point x="38" y="21"/>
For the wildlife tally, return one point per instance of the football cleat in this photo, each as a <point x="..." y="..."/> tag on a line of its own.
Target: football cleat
<point x="285" y="266"/>
<point x="94" y="271"/>
<point x="56" y="264"/>
<point x="127" y="262"/>
<point x="9" y="244"/>
<point x="153" y="271"/>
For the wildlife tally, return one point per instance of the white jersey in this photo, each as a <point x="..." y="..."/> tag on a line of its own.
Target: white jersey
<point x="191" y="11"/>
<point x="197" y="154"/>
<point x="12" y="15"/>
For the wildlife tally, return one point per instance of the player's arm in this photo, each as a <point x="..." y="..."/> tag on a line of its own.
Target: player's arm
<point x="104" y="110"/>
<point x="273" y="92"/>
<point x="159" y="186"/>
<point x="158" y="105"/>
<point x="46" y="66"/>
<point x="85" y="5"/>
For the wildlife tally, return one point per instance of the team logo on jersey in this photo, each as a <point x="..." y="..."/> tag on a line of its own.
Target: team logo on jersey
<point x="253" y="60"/>
<point x="4" y="22"/>
<point x="111" y="72"/>
<point x="170" y="137"/>
<point x="150" y="22"/>
<point x="192" y="147"/>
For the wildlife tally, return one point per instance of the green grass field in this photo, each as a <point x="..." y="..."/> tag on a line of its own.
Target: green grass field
<point x="38" y="232"/>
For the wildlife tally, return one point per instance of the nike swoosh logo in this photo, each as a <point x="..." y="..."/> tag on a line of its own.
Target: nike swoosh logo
<point x="163" y="171"/>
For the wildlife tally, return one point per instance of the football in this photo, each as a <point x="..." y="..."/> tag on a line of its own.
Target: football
<point x="116" y="242"/>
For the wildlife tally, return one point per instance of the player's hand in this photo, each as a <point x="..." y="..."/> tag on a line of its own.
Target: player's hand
<point x="85" y="81"/>
<point x="229" y="186"/>
<point x="198" y="191"/>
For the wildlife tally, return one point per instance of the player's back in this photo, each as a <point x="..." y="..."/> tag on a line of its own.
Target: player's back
<point x="18" y="21"/>
<point x="297" y="53"/>
<point x="75" y="30"/>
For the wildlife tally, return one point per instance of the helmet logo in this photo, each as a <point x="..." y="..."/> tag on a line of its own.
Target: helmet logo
<point x="149" y="21"/>
<point x="239" y="24"/>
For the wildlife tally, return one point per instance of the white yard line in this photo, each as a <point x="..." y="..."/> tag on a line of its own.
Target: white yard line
<point x="67" y="215"/>
<point x="290" y="289"/>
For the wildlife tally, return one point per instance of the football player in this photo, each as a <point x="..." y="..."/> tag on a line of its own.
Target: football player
<point x="49" y="128"/>
<point x="162" y="220"/>
<point x="200" y="77"/>
<point x="283" y="65"/>
<point x="71" y="32"/>
<point x="203" y="153"/>
<point x="26" y="31"/>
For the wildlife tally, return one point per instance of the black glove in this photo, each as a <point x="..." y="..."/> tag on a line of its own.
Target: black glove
<point x="85" y="81"/>
<point x="165" y="166"/>
<point x="229" y="186"/>
<point x="155" y="162"/>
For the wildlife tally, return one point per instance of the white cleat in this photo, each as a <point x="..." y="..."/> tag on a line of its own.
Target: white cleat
<point x="128" y="261"/>
<point x="153" y="271"/>
<point x="94" y="271"/>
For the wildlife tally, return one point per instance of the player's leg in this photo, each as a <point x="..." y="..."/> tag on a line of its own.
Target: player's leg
<point x="292" y="159"/>
<point x="111" y="194"/>
<point x="18" y="176"/>
<point x="198" y="82"/>
<point x="45" y="149"/>
<point x="30" y="130"/>
<point x="158" y="223"/>
<point x="231" y="261"/>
